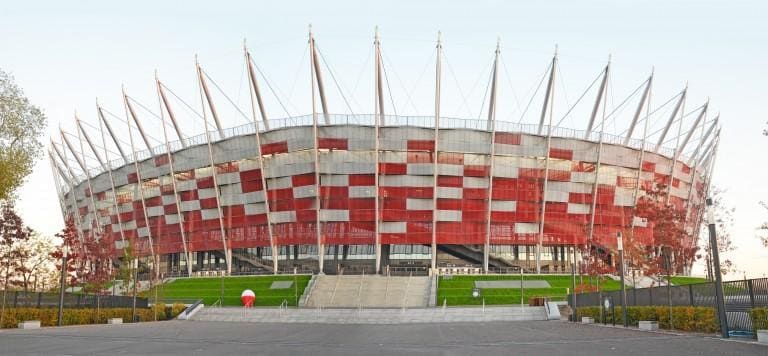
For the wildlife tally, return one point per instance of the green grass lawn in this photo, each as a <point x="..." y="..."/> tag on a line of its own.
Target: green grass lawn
<point x="681" y="280"/>
<point x="458" y="289"/>
<point x="209" y="289"/>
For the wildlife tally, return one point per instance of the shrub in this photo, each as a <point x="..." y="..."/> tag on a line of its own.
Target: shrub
<point x="176" y="309"/>
<point x="698" y="319"/>
<point x="759" y="318"/>
<point x="49" y="316"/>
<point x="158" y="309"/>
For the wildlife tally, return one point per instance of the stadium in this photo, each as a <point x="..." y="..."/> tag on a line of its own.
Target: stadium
<point x="378" y="192"/>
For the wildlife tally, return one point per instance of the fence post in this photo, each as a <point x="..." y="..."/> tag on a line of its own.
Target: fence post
<point x="690" y="294"/>
<point x="634" y="296"/>
<point x="751" y="294"/>
<point x="79" y="297"/>
<point x="39" y="298"/>
<point x="650" y="295"/>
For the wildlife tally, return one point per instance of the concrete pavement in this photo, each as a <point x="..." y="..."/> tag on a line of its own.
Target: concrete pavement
<point x="494" y="338"/>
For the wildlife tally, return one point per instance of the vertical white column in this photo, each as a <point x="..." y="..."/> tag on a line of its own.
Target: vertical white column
<point x="378" y="119"/>
<point x="549" y="103"/>
<point x="108" y="163"/>
<point x="172" y="171"/>
<point x="254" y="91"/>
<point x="224" y="241"/>
<point x="140" y="181"/>
<point x="597" y="164"/>
<point x="492" y="128"/>
<point x="438" y="72"/>
<point x="313" y="77"/>
<point x="72" y="192"/>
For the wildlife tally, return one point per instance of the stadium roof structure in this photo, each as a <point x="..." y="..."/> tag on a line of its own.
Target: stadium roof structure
<point x="687" y="138"/>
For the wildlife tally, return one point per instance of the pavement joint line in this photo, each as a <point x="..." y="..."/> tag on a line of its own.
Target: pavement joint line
<point x="675" y="333"/>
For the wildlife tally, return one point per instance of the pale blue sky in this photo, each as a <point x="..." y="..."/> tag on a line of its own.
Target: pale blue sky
<point x="66" y="54"/>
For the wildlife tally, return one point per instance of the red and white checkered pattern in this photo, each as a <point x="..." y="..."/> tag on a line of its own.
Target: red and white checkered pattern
<point x="346" y="192"/>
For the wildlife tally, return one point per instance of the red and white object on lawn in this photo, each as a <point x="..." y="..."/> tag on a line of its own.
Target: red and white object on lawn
<point x="248" y="298"/>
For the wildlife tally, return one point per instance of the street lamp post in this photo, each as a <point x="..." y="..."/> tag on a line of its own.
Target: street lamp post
<point x="716" y="269"/>
<point x="64" y="253"/>
<point x="221" y="285"/>
<point x="620" y="245"/>
<point x="135" y="281"/>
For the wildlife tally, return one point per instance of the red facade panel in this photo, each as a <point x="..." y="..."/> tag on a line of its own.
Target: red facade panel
<point x="275" y="147"/>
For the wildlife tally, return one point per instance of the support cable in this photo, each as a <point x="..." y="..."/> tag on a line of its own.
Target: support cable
<point x="456" y="81"/>
<point x="509" y="81"/>
<point x="409" y="94"/>
<point x="226" y="96"/>
<point x="533" y="96"/>
<point x="271" y="89"/>
<point x="336" y="82"/>
<point x="647" y="116"/>
<point x="389" y="88"/>
<point x="599" y="75"/>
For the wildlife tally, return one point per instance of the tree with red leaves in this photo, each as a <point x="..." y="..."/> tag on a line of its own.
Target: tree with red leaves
<point x="69" y="238"/>
<point x="13" y="235"/>
<point x="98" y="270"/>
<point x="673" y="248"/>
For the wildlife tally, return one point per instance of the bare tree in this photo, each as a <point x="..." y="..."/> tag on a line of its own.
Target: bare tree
<point x="724" y="223"/>
<point x="38" y="265"/>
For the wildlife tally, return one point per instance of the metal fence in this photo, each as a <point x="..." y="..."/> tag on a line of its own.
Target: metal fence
<point x="20" y="299"/>
<point x="740" y="297"/>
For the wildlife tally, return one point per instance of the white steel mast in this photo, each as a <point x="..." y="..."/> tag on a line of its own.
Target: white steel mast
<point x="254" y="91"/>
<point x="438" y="82"/>
<point x="492" y="128"/>
<point x="549" y="103"/>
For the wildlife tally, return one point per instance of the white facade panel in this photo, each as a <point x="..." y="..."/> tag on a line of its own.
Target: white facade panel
<point x="418" y="204"/>
<point x="278" y="217"/>
<point x="392" y="227"/>
<point x="206" y="193"/>
<point x="254" y="197"/>
<point x="578" y="208"/>
<point x="209" y="214"/>
<point x="526" y="228"/>
<point x="334" y="215"/>
<point x="449" y="192"/>
<point x="475" y="182"/>
<point x="190" y="205"/>
<point x="362" y="192"/>
<point x="255" y="209"/>
<point x="450" y="169"/>
<point x="334" y="180"/>
<point x="448" y="215"/>
<point x="304" y="191"/>
<point x="503" y="205"/>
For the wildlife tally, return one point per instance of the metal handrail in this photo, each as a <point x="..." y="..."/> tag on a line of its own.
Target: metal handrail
<point x="192" y="307"/>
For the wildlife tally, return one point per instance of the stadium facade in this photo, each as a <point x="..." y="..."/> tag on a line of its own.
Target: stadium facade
<point x="376" y="192"/>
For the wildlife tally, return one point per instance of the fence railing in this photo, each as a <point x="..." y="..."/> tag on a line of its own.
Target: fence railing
<point x="21" y="299"/>
<point x="740" y="297"/>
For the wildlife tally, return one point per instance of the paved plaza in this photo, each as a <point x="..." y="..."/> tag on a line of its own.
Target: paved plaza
<point x="499" y="338"/>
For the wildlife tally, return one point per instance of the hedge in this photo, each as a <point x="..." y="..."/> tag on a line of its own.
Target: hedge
<point x="759" y="318"/>
<point x="697" y="319"/>
<point x="50" y="316"/>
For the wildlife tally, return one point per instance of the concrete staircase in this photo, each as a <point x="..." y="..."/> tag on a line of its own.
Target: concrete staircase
<point x="368" y="291"/>
<point x="370" y="316"/>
